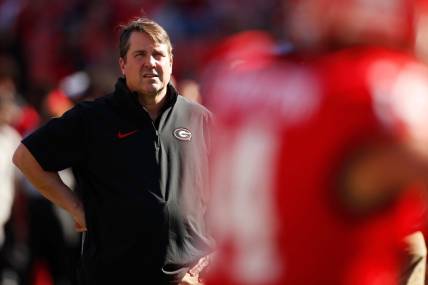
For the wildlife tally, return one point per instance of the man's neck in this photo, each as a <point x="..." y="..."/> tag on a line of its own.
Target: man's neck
<point x="153" y="104"/>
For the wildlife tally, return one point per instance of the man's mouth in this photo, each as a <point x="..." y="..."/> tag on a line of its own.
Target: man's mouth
<point x="149" y="75"/>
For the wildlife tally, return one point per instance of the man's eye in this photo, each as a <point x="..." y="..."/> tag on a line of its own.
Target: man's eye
<point x="139" y="55"/>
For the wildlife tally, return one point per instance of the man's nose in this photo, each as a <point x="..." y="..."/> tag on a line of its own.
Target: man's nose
<point x="150" y="61"/>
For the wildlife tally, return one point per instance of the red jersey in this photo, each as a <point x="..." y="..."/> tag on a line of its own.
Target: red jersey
<point x="285" y="131"/>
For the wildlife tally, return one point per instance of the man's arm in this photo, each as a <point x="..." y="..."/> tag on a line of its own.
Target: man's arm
<point x="378" y="174"/>
<point x="50" y="185"/>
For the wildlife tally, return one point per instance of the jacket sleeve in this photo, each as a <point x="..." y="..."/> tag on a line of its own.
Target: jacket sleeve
<point x="61" y="142"/>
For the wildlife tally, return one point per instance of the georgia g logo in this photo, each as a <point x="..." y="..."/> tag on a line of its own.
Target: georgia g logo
<point x="182" y="134"/>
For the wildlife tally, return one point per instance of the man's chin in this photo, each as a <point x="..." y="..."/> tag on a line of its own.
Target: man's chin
<point x="151" y="92"/>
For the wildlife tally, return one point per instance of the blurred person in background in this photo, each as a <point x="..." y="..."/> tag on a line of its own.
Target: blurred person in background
<point x="9" y="140"/>
<point x="140" y="157"/>
<point x="50" y="258"/>
<point x="190" y="89"/>
<point x="320" y="161"/>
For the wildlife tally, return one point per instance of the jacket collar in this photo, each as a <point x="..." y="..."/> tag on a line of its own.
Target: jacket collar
<point x="127" y="101"/>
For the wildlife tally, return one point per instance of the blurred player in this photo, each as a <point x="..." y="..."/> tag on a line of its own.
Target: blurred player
<point x="321" y="157"/>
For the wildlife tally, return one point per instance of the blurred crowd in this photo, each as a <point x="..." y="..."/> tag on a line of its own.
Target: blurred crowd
<point x="44" y="41"/>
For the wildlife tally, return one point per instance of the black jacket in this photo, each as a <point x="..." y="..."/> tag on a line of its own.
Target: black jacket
<point x="143" y="184"/>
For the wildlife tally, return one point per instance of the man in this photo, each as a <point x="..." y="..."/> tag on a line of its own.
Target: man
<point x="140" y="160"/>
<point x="315" y="150"/>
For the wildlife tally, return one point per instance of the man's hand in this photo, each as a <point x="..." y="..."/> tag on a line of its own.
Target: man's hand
<point x="79" y="228"/>
<point x="190" y="280"/>
<point x="192" y="276"/>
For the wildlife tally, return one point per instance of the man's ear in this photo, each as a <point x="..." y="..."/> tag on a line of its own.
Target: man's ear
<point x="122" y="63"/>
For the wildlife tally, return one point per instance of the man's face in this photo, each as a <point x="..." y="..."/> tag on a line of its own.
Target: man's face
<point x="147" y="66"/>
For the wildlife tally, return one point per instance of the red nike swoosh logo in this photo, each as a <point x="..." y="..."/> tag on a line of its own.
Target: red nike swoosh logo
<point x="121" y="135"/>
